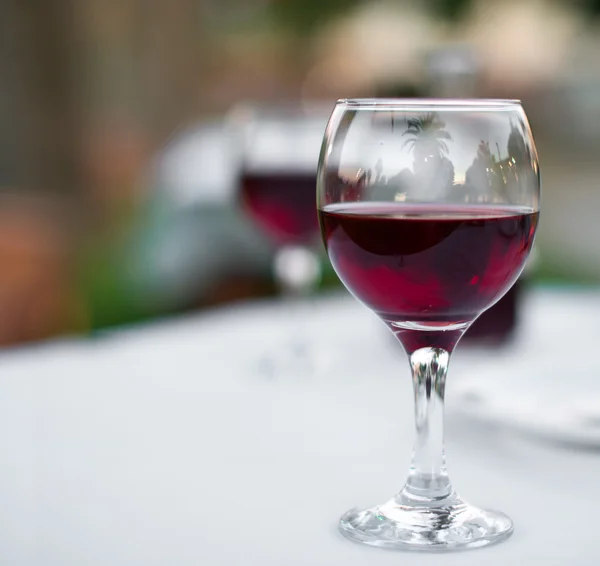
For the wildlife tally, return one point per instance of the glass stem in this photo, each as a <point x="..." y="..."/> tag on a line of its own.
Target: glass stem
<point x="428" y="479"/>
<point x="297" y="270"/>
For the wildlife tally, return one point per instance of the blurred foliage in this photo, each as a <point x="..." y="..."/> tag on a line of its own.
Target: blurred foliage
<point x="592" y="6"/>
<point x="108" y="300"/>
<point x="303" y="16"/>
<point x="560" y="271"/>
<point x="104" y="282"/>
<point x="451" y="9"/>
<point x="399" y="90"/>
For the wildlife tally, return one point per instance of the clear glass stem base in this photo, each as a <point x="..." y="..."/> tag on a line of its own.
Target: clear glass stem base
<point x="427" y="514"/>
<point x="441" y="525"/>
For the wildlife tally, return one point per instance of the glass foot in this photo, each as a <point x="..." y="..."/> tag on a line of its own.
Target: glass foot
<point x="444" y="525"/>
<point x="296" y="358"/>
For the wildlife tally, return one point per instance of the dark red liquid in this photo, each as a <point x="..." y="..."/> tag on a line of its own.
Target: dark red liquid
<point x="282" y="204"/>
<point x="497" y="324"/>
<point x="427" y="263"/>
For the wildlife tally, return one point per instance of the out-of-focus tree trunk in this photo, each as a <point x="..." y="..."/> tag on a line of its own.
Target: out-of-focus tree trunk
<point x="39" y="165"/>
<point x="38" y="122"/>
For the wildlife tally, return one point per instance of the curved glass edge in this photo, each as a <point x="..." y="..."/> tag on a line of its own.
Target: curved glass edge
<point x="424" y="104"/>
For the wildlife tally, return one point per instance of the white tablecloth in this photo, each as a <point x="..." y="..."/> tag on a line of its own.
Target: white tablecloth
<point x="162" y="446"/>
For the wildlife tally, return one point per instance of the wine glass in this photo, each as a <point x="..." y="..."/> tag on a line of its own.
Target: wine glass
<point x="428" y="210"/>
<point x="280" y="148"/>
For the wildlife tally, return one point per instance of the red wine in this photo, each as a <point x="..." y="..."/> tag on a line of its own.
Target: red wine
<point x="427" y="263"/>
<point x="282" y="204"/>
<point x="497" y="324"/>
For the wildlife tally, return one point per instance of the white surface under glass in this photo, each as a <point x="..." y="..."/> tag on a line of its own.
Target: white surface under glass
<point x="157" y="446"/>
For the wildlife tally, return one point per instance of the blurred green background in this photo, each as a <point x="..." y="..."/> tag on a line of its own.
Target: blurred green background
<point x="118" y="186"/>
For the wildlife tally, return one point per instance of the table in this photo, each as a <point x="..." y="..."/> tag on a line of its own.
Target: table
<point x="160" y="445"/>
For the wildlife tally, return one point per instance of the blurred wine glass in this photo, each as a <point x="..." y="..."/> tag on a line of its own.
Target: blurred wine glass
<point x="279" y="155"/>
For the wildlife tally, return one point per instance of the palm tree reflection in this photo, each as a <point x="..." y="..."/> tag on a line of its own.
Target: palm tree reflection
<point x="433" y="171"/>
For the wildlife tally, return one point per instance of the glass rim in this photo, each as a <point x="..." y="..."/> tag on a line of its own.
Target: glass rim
<point x="431" y="104"/>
